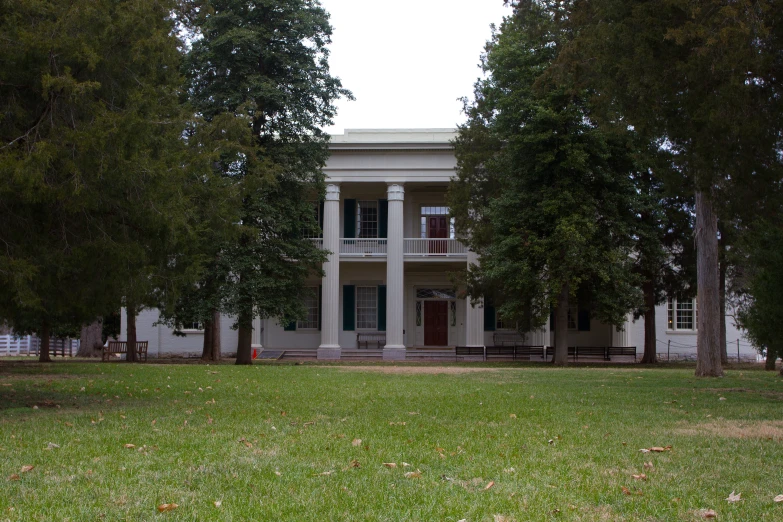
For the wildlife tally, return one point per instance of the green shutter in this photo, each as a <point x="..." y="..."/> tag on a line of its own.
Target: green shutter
<point x="383" y="218"/>
<point x="381" y="308"/>
<point x="290" y="327"/>
<point x="349" y="308"/>
<point x="320" y="304"/>
<point x="489" y="318"/>
<point x="583" y="320"/>
<point x="349" y="218"/>
<point x="321" y="218"/>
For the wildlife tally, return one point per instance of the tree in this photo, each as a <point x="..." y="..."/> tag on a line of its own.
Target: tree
<point x="702" y="79"/>
<point x="89" y="156"/>
<point x="265" y="63"/>
<point x="543" y="195"/>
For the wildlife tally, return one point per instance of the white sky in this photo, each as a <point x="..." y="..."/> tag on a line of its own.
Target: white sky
<point x="407" y="61"/>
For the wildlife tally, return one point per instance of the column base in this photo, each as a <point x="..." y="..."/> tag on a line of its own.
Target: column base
<point x="393" y="353"/>
<point x="329" y="353"/>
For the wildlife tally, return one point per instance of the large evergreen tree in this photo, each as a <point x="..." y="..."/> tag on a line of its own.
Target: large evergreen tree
<point x="543" y="195"/>
<point x="702" y="79"/>
<point x="89" y="164"/>
<point x="265" y="62"/>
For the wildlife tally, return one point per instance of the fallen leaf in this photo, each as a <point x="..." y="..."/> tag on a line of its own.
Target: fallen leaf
<point x="491" y="483"/>
<point x="354" y="464"/>
<point x="356" y="442"/>
<point x="390" y="464"/>
<point x="167" y="507"/>
<point x="14" y="476"/>
<point x="52" y="445"/>
<point x="27" y="468"/>
<point x="512" y="415"/>
<point x="648" y="465"/>
<point x="779" y="498"/>
<point x="278" y="473"/>
<point x="130" y="446"/>
<point x="405" y="465"/>
<point x="658" y="449"/>
<point x="413" y="474"/>
<point x="640" y="476"/>
<point x="218" y="503"/>
<point x="626" y="491"/>
<point x="501" y="518"/>
<point x="325" y="473"/>
<point x="709" y="513"/>
<point x="734" y="498"/>
<point x="722" y="399"/>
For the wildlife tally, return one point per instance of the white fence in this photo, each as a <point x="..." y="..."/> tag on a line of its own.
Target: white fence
<point x="426" y="247"/>
<point x="363" y="247"/>
<point x="30" y="345"/>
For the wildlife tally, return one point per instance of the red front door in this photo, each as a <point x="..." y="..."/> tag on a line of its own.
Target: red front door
<point x="437" y="228"/>
<point x="436" y="323"/>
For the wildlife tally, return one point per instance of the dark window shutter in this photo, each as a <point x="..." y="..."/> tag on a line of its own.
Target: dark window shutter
<point x="349" y="218"/>
<point x="383" y="218"/>
<point x="321" y="218"/>
<point x="489" y="318"/>
<point x="320" y="305"/>
<point x="551" y="318"/>
<point x="349" y="308"/>
<point x="381" y="308"/>
<point x="583" y="320"/>
<point x="290" y="327"/>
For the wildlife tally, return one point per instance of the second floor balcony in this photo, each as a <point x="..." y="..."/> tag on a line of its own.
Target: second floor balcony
<point x="413" y="248"/>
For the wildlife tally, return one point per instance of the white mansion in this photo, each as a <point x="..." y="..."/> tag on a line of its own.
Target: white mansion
<point x="386" y="282"/>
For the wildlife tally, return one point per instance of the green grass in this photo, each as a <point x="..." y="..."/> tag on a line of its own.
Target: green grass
<point x="277" y="443"/>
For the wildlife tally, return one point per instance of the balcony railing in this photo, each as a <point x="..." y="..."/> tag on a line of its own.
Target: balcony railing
<point x="435" y="248"/>
<point x="318" y="241"/>
<point x="363" y="247"/>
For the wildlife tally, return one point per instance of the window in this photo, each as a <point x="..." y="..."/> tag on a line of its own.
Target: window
<point x="367" y="218"/>
<point x="501" y="324"/>
<point x="682" y="314"/>
<point x="435" y="211"/>
<point x="311" y="305"/>
<point x="195" y="325"/>
<point x="573" y="315"/>
<point x="313" y="234"/>
<point x="367" y="307"/>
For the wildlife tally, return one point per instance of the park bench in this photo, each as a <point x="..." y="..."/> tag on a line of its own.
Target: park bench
<point x="517" y="351"/>
<point x="120" y="347"/>
<point x="376" y="340"/>
<point x="588" y="352"/>
<point x="472" y="352"/>
<point x="618" y="351"/>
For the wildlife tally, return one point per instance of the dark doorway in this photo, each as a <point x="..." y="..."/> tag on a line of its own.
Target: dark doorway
<point x="436" y="323"/>
<point x="437" y="228"/>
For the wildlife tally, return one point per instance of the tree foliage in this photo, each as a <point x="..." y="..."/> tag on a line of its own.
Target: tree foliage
<point x="543" y="195"/>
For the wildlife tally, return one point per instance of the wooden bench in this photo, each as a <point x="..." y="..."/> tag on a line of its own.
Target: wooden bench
<point x="508" y="339"/>
<point x="517" y="351"/>
<point x="469" y="351"/>
<point x="588" y="352"/>
<point x="120" y="347"/>
<point x="618" y="351"/>
<point x="378" y="340"/>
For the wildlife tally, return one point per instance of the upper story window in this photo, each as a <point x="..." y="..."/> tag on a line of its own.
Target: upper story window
<point x="435" y="223"/>
<point x="682" y="314"/>
<point x="367" y="218"/>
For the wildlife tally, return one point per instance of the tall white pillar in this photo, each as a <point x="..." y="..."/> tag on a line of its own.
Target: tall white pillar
<point x="474" y="322"/>
<point x="330" y="291"/>
<point x="621" y="338"/>
<point x="256" y="341"/>
<point x="395" y="348"/>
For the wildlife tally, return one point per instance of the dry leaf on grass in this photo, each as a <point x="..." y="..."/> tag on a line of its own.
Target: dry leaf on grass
<point x="356" y="442"/>
<point x="640" y="476"/>
<point x="27" y="468"/>
<point x="354" y="464"/>
<point x="626" y="491"/>
<point x="14" y="476"/>
<point x="413" y="474"/>
<point x="656" y="449"/>
<point x="501" y="518"/>
<point x="390" y="464"/>
<point x="491" y="483"/>
<point x="648" y="465"/>
<point x="218" y="503"/>
<point x="512" y="415"/>
<point x="709" y="513"/>
<point x="167" y="507"/>
<point x="325" y="473"/>
<point x="779" y="498"/>
<point x="278" y="473"/>
<point x="52" y="445"/>
<point x="130" y="446"/>
<point x="734" y="498"/>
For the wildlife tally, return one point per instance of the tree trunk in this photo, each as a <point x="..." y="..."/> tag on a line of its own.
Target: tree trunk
<point x="708" y="288"/>
<point x="216" y="351"/>
<point x="724" y="356"/>
<point x="130" y="310"/>
<point x="561" y="328"/>
<point x="650" y="340"/>
<point x="206" y="350"/>
<point x="91" y="339"/>
<point x="245" y="339"/>
<point x="43" y="355"/>
<point x="772" y="357"/>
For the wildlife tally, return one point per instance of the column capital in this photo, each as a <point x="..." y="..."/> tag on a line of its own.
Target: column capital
<point x="332" y="192"/>
<point x="395" y="192"/>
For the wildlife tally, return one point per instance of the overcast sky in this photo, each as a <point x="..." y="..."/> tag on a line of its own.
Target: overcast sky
<point x="407" y="61"/>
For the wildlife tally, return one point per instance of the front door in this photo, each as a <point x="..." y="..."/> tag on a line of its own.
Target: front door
<point x="438" y="228"/>
<point x="436" y="323"/>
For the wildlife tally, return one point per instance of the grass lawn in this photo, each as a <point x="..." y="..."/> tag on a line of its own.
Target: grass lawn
<point x="307" y="442"/>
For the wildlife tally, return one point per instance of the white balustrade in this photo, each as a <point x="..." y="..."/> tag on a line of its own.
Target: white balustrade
<point x="429" y="247"/>
<point x="318" y="241"/>
<point x="372" y="247"/>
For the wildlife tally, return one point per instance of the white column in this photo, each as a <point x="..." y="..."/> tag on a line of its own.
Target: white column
<point x="256" y="341"/>
<point x="330" y="291"/>
<point x="394" y="349"/>
<point x="621" y="338"/>
<point x="474" y="322"/>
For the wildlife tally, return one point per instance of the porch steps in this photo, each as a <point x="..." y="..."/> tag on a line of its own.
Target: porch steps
<point x="430" y="355"/>
<point x="347" y="354"/>
<point x="299" y="354"/>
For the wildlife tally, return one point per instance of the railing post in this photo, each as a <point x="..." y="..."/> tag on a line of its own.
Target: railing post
<point x="668" y="351"/>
